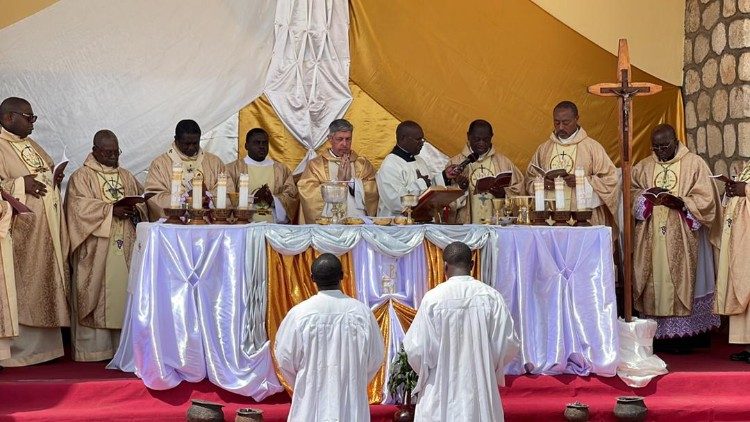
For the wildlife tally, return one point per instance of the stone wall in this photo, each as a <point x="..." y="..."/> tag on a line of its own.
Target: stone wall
<point x="717" y="80"/>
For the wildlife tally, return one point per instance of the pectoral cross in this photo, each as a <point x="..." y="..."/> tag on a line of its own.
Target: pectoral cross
<point x="625" y="90"/>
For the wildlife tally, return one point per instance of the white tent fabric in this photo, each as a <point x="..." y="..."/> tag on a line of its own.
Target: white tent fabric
<point x="136" y="67"/>
<point x="308" y="80"/>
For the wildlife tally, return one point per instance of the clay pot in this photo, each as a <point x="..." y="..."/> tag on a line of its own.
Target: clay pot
<point x="630" y="409"/>
<point x="205" y="411"/>
<point x="576" y="412"/>
<point x="405" y="413"/>
<point x="249" y="415"/>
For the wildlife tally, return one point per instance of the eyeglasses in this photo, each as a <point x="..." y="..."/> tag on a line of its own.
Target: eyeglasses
<point x="29" y="117"/>
<point x="420" y="140"/>
<point x="659" y="148"/>
<point x="109" y="153"/>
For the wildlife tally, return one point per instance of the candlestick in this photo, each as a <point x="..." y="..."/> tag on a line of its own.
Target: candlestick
<point x="198" y="190"/>
<point x="560" y="194"/>
<point x="244" y="189"/>
<point x="221" y="191"/>
<point x="174" y="199"/>
<point x="539" y="194"/>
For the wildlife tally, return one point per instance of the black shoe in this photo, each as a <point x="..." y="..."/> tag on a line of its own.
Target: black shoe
<point x="741" y="356"/>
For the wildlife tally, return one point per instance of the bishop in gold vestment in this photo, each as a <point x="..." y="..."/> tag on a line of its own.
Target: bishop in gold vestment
<point x="668" y="233"/>
<point x="339" y="163"/>
<point x="40" y="238"/>
<point x="101" y="242"/>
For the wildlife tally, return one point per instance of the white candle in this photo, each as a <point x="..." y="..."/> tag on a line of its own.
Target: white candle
<point x="221" y="191"/>
<point x="174" y="199"/>
<point x="560" y="194"/>
<point x="244" y="189"/>
<point x="198" y="191"/>
<point x="581" y="202"/>
<point x="539" y="194"/>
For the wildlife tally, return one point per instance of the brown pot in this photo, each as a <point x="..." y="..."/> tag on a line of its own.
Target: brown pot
<point x="630" y="409"/>
<point x="205" y="411"/>
<point x="249" y="415"/>
<point x="576" y="412"/>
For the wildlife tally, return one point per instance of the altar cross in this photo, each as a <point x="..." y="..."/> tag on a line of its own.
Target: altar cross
<point x="625" y="90"/>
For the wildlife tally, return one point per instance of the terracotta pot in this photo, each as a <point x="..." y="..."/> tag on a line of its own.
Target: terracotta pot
<point x="405" y="413"/>
<point x="576" y="412"/>
<point x="630" y="409"/>
<point x="205" y="411"/>
<point x="249" y="415"/>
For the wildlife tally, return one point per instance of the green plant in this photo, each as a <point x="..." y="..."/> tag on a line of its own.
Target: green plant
<point x="402" y="379"/>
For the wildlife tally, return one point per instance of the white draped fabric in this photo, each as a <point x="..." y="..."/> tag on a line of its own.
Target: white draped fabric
<point x="198" y="295"/>
<point x="136" y="67"/>
<point x="308" y="80"/>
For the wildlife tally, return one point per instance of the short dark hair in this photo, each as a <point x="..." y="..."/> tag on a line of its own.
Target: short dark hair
<point x="326" y="270"/>
<point x="340" y="125"/>
<point x="102" y="135"/>
<point x="255" y="132"/>
<point x="570" y="105"/>
<point x="480" y="123"/>
<point x="186" y="127"/>
<point x="665" y="128"/>
<point x="458" y="254"/>
<point x="404" y="126"/>
<point x="11" y="104"/>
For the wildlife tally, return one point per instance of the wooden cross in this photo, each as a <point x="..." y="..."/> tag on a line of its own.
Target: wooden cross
<point x="625" y="90"/>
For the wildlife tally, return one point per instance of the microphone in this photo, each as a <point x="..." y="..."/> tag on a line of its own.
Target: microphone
<point x="470" y="159"/>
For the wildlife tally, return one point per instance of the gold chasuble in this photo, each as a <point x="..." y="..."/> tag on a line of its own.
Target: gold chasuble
<point x="733" y="278"/>
<point x="580" y="151"/>
<point x="666" y="244"/>
<point x="478" y="207"/>
<point x="42" y="296"/>
<point x="100" y="243"/>
<point x="8" y="299"/>
<point x="159" y="179"/>
<point x="279" y="179"/>
<point x="319" y="170"/>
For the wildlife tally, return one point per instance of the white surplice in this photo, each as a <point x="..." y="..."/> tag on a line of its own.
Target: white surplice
<point x="328" y="348"/>
<point x="459" y="343"/>
<point x="397" y="177"/>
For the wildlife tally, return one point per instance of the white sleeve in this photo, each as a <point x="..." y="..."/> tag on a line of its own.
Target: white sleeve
<point x="377" y="349"/>
<point x="287" y="350"/>
<point x="421" y="346"/>
<point x="279" y="213"/>
<point x="505" y="343"/>
<point x="391" y="187"/>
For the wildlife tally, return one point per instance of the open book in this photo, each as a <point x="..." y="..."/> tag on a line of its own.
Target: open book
<point x="722" y="178"/>
<point x="653" y="196"/>
<point x="550" y="174"/>
<point x="501" y="180"/>
<point x="18" y="207"/>
<point x="60" y="167"/>
<point x="131" y="201"/>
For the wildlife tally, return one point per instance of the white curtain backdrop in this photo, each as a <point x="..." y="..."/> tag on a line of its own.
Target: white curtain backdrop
<point x="308" y="80"/>
<point x="136" y="67"/>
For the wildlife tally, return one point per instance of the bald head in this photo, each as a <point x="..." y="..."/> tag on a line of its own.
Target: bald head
<point x="326" y="272"/>
<point x="106" y="149"/>
<point x="457" y="257"/>
<point x="664" y="130"/>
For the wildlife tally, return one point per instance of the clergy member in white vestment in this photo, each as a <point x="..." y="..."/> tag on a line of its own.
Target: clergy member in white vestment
<point x="403" y="172"/>
<point x="328" y="348"/>
<point x="459" y="344"/>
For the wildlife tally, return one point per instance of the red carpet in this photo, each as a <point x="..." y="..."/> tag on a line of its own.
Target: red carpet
<point x="703" y="386"/>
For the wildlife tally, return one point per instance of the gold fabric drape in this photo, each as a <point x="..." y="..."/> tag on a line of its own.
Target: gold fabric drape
<point x="417" y="60"/>
<point x="436" y="266"/>
<point x="405" y="315"/>
<point x="290" y="282"/>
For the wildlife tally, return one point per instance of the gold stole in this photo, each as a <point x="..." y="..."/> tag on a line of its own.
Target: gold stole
<point x="116" y="269"/>
<point x="726" y="235"/>
<point x="665" y="176"/>
<point x="481" y="203"/>
<point x="190" y="165"/>
<point x="563" y="157"/>
<point x="259" y="176"/>
<point x="35" y="164"/>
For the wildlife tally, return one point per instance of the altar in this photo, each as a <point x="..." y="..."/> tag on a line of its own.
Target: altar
<point x="205" y="301"/>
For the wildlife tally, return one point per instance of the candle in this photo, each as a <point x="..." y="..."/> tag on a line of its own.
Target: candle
<point x="198" y="190"/>
<point x="560" y="194"/>
<point x="581" y="201"/>
<point x="244" y="188"/>
<point x="221" y="191"/>
<point x="539" y="194"/>
<point x="174" y="199"/>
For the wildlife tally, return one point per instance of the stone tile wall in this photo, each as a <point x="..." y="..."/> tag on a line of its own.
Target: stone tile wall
<point x="717" y="80"/>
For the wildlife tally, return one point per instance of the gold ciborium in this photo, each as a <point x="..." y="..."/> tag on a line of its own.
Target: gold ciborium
<point x="335" y="193"/>
<point x="408" y="202"/>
